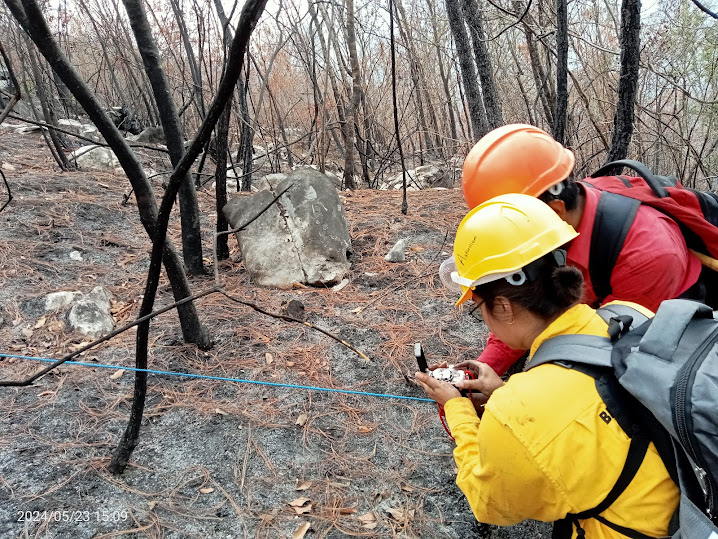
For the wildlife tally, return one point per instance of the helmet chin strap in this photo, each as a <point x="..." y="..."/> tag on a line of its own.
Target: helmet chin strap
<point x="529" y="273"/>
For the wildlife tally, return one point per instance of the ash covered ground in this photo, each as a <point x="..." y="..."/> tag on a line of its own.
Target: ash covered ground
<point x="217" y="458"/>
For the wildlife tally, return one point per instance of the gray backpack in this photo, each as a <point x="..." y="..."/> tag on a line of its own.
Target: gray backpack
<point x="659" y="380"/>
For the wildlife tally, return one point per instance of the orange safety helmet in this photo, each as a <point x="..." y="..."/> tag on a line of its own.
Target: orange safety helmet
<point x="515" y="158"/>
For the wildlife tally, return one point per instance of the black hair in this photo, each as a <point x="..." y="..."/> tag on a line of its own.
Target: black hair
<point x="550" y="290"/>
<point x="570" y="194"/>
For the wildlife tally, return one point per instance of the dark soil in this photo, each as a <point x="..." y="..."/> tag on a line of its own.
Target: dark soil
<point x="222" y="458"/>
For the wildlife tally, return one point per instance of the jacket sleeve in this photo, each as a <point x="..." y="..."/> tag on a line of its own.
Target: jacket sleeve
<point x="502" y="482"/>
<point x="499" y="355"/>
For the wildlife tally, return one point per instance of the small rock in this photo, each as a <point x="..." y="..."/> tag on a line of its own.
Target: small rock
<point x="396" y="254"/>
<point x="89" y="318"/>
<point x="338" y="287"/>
<point x="76" y="255"/>
<point x="60" y="300"/>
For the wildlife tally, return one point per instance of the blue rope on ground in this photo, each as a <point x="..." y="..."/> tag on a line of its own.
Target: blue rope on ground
<point x="221" y="378"/>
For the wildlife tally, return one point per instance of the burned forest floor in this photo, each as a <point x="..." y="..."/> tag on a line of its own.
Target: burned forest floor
<point x="219" y="457"/>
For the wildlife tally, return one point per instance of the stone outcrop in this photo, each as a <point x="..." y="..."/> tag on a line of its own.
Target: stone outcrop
<point x="302" y="238"/>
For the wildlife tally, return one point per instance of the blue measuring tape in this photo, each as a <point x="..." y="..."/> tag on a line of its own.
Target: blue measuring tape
<point x="220" y="378"/>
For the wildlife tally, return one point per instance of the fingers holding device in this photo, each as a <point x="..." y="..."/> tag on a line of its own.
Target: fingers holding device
<point x="443" y="372"/>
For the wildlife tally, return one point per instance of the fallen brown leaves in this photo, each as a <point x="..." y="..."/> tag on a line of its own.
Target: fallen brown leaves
<point x="380" y="309"/>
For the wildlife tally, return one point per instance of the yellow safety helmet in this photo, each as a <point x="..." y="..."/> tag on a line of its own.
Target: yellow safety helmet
<point x="503" y="235"/>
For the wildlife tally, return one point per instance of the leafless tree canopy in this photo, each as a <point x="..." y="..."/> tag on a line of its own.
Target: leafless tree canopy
<point x="319" y="80"/>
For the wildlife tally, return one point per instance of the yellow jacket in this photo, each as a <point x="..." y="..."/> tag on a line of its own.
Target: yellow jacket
<point x="541" y="450"/>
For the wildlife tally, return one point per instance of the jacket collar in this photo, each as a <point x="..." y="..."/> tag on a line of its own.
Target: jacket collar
<point x="579" y="319"/>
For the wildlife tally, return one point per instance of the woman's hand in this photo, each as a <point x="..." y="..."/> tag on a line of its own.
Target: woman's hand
<point x="479" y="400"/>
<point x="485" y="380"/>
<point x="435" y="389"/>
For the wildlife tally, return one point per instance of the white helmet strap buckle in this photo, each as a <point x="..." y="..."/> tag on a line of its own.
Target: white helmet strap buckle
<point x="560" y="256"/>
<point x="556" y="189"/>
<point x="517" y="279"/>
<point x="528" y="273"/>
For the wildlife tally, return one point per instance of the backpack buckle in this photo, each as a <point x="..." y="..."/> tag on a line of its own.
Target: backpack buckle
<point x="619" y="326"/>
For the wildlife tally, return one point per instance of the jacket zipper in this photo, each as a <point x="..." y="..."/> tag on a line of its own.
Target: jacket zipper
<point x="679" y="417"/>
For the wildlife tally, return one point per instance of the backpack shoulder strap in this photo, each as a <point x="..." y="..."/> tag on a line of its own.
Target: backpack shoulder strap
<point x="620" y="319"/>
<point x="590" y="349"/>
<point x="591" y="355"/>
<point x="568" y="350"/>
<point x="607" y="312"/>
<point x="657" y="183"/>
<point x="614" y="217"/>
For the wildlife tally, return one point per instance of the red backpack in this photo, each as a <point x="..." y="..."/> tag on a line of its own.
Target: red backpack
<point x="696" y="213"/>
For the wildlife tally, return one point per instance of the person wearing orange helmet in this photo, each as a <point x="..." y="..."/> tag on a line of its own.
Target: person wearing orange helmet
<point x="654" y="263"/>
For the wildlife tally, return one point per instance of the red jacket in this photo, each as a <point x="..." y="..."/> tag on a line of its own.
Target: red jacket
<point x="653" y="265"/>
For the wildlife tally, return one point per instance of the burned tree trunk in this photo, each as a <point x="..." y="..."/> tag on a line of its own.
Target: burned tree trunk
<point x="417" y="80"/>
<point x="338" y="100"/>
<point x="628" y="83"/>
<point x="103" y="46"/>
<point x="492" y="102"/>
<point x="559" y="119"/>
<point x="248" y="19"/>
<point x="14" y="84"/>
<point x="246" y="148"/>
<point x="353" y="110"/>
<point x="30" y="17"/>
<point x="246" y="132"/>
<point x="48" y="113"/>
<point x="477" y="113"/>
<point x="404" y="203"/>
<point x="444" y="78"/>
<point x="543" y="86"/>
<point x="189" y="207"/>
<point x="194" y="68"/>
<point x="220" y="177"/>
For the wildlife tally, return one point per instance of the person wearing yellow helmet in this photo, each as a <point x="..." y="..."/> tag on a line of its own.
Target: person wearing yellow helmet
<point x="654" y="262"/>
<point x="546" y="447"/>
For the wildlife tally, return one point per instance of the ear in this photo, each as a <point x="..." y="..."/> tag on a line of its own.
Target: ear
<point x="503" y="310"/>
<point x="559" y="206"/>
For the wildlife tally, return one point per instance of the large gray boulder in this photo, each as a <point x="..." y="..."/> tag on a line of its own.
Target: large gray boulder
<point x="423" y="177"/>
<point x="150" y="134"/>
<point x="87" y="130"/>
<point x="95" y="158"/>
<point x="302" y="238"/>
<point x="24" y="109"/>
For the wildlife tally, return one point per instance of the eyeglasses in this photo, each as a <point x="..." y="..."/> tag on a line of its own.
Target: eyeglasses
<point x="476" y="312"/>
